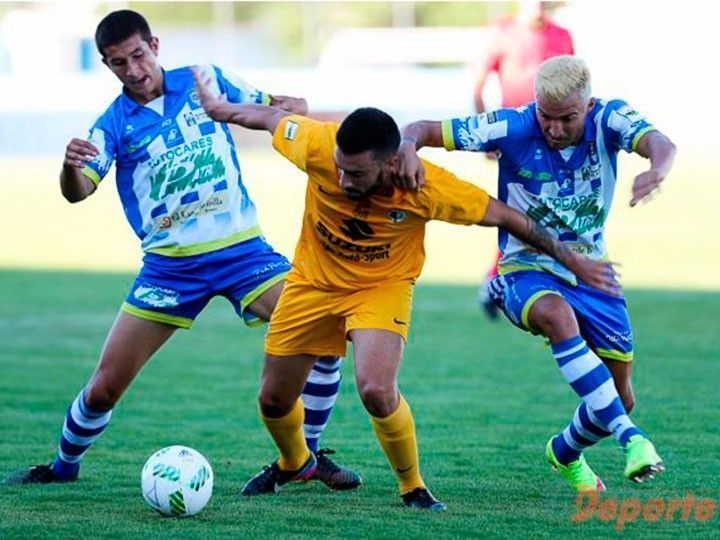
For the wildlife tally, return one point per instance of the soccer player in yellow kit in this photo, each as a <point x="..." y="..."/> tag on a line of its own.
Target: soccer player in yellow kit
<point x="359" y="254"/>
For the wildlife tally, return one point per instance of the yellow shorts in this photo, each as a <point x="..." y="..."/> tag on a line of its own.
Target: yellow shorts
<point x="311" y="321"/>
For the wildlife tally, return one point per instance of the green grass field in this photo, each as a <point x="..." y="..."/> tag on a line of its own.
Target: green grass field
<point x="485" y="396"/>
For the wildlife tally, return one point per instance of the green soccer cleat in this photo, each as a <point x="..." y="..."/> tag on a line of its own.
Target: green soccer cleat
<point x="642" y="461"/>
<point x="577" y="473"/>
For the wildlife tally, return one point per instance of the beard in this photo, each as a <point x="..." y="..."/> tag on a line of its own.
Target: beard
<point x="357" y="195"/>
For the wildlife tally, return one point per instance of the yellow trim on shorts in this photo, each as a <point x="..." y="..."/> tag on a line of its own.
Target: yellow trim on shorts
<point x="206" y="247"/>
<point x="447" y="135"/>
<point x="146" y="314"/>
<point x="615" y="355"/>
<point x="253" y="295"/>
<point x="91" y="175"/>
<point x="510" y="268"/>
<point x="639" y="136"/>
<point x="529" y="304"/>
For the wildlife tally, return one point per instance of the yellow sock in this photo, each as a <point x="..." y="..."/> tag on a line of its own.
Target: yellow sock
<point x="288" y="435"/>
<point x="396" y="434"/>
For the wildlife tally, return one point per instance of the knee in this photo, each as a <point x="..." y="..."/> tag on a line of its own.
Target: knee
<point x="628" y="401"/>
<point x="101" y="395"/>
<point x="380" y="400"/>
<point x="552" y="316"/>
<point x="273" y="403"/>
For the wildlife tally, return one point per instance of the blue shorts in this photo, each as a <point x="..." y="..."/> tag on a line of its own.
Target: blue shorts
<point x="603" y="319"/>
<point x="174" y="290"/>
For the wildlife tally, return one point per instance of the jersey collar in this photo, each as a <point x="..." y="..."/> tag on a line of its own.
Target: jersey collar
<point x="131" y="106"/>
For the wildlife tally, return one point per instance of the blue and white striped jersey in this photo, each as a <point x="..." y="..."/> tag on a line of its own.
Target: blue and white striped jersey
<point x="568" y="195"/>
<point x="177" y="174"/>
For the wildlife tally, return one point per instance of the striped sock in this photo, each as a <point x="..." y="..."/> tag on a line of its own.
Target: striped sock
<point x="82" y="427"/>
<point x="592" y="381"/>
<point x="318" y="396"/>
<point x="582" y="432"/>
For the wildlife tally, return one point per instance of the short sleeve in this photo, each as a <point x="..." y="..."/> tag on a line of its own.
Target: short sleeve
<point x="446" y="197"/>
<point x="236" y="90"/>
<point x="299" y="139"/>
<point x="102" y="137"/>
<point x="485" y="132"/>
<point x="623" y="125"/>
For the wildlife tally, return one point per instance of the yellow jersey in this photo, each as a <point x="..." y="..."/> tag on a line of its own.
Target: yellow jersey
<point x="346" y="244"/>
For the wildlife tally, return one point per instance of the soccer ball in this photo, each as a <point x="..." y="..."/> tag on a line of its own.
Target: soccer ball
<point x="177" y="481"/>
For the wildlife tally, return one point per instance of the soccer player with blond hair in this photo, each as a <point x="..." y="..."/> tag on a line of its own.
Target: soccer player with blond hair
<point x="359" y="254"/>
<point x="558" y="166"/>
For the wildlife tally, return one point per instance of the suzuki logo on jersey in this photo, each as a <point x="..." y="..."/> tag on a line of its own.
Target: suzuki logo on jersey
<point x="357" y="229"/>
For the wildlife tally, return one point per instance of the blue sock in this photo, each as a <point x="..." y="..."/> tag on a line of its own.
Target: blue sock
<point x="583" y="431"/>
<point x="82" y="427"/>
<point x="592" y="381"/>
<point x="318" y="397"/>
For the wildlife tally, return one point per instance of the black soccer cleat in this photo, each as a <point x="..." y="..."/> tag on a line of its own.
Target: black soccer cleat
<point x="422" y="499"/>
<point x="334" y="476"/>
<point x="272" y="477"/>
<point x="39" y="474"/>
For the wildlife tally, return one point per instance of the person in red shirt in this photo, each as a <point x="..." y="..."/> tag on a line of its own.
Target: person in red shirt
<point x="518" y="46"/>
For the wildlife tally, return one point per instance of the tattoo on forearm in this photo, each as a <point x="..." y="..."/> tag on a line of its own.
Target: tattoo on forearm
<point x="540" y="239"/>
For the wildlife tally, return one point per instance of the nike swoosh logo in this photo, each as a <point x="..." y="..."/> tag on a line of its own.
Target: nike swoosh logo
<point x="396" y="321"/>
<point x="406" y="469"/>
<point x="322" y="190"/>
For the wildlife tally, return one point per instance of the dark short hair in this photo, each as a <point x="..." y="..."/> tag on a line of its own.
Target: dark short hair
<point x="118" y="26"/>
<point x="368" y="129"/>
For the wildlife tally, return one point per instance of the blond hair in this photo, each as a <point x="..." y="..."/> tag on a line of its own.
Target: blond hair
<point x="562" y="76"/>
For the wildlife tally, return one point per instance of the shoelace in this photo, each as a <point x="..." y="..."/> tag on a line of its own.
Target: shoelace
<point x="580" y="473"/>
<point x="330" y="464"/>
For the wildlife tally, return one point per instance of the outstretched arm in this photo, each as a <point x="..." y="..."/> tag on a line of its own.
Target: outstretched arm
<point x="598" y="274"/>
<point x="248" y="115"/>
<point x="290" y="104"/>
<point x="410" y="173"/>
<point x="421" y="133"/>
<point x="661" y="152"/>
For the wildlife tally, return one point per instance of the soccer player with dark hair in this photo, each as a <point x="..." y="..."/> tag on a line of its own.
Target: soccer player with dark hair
<point x="180" y="185"/>
<point x="558" y="166"/>
<point x="359" y="254"/>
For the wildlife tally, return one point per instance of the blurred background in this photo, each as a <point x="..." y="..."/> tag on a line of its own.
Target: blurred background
<point x="413" y="59"/>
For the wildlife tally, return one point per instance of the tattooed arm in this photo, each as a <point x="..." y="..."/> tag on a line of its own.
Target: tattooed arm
<point x="598" y="274"/>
